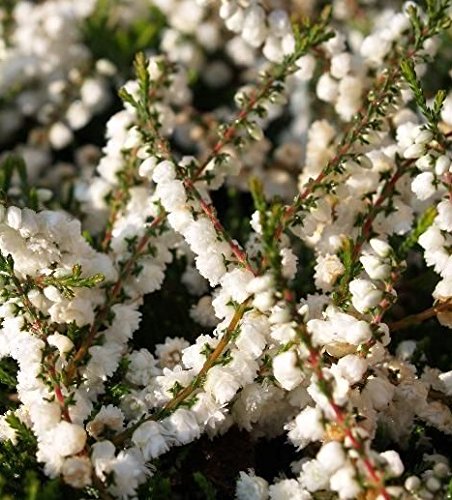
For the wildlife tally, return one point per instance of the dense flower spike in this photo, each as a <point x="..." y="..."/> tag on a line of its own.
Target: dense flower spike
<point x="300" y="324"/>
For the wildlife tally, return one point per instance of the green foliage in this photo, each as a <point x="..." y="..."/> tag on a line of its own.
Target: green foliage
<point x="205" y="486"/>
<point x="8" y="380"/>
<point x="16" y="460"/>
<point x="66" y="284"/>
<point x="431" y="114"/>
<point x="108" y="38"/>
<point x="12" y="167"/>
<point x="270" y="219"/>
<point x="7" y="377"/>
<point x="423" y="223"/>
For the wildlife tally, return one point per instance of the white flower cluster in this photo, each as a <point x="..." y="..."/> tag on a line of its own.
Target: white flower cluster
<point x="298" y="331"/>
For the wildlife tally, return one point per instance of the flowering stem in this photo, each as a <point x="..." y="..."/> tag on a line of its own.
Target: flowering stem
<point x="415" y="319"/>
<point x="40" y="327"/>
<point x="112" y="297"/>
<point x="210" y="361"/>
<point x="366" y="229"/>
<point x="210" y="212"/>
<point x="271" y="83"/>
<point x="231" y="131"/>
<point x="174" y="403"/>
<point x="119" y="199"/>
<point x="344" y="420"/>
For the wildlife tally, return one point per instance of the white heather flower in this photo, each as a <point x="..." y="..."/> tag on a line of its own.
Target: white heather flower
<point x="425" y="162"/>
<point x="289" y="263"/>
<point x="243" y="367"/>
<point x="104" y="360"/>
<point x="102" y="456"/>
<point x="273" y="49"/>
<point x="82" y="407"/>
<point x="444" y="218"/>
<point x="141" y="367"/>
<point x="147" y="167"/>
<point x="129" y="472"/>
<point x="442" y="165"/>
<point x="422" y="185"/>
<point x="76" y="472"/>
<point x="394" y="467"/>
<point x="180" y="219"/>
<point x="78" y="309"/>
<point x="235" y="284"/>
<point x="211" y="266"/>
<point x="414" y="151"/>
<point x="288" y="44"/>
<point x="328" y="269"/>
<point x="254" y="26"/>
<point x="108" y="417"/>
<point x="93" y="93"/>
<point x="306" y="64"/>
<point x="280" y="314"/>
<point x="209" y="414"/>
<point x="313" y="476"/>
<point x="260" y="284"/>
<point x="340" y="65"/>
<point x="251" y="339"/>
<point x="182" y="426"/>
<point x="203" y="313"/>
<point x="77" y="115"/>
<point x="264" y="301"/>
<point x="169" y="354"/>
<point x="14" y="217"/>
<point x="200" y="234"/>
<point x="288" y="488"/>
<point x="446" y="379"/>
<point x="307" y="427"/>
<point x="352" y="367"/>
<point x="335" y="44"/>
<point x="375" y="267"/>
<point x="365" y="295"/>
<point x="63" y="343"/>
<point x="60" y="135"/>
<point x="286" y="370"/>
<point x="150" y="438"/>
<point x="345" y="483"/>
<point x="374" y="49"/>
<point x="221" y="384"/>
<point x="195" y="355"/>
<point x="379" y="391"/>
<point x="380" y="247"/>
<point x="251" y="487"/>
<point x="412" y="483"/>
<point x="327" y="88"/>
<point x="279" y="22"/>
<point x="255" y="222"/>
<point x="331" y="456"/>
<point x="432" y="239"/>
<point x="283" y="333"/>
<point x="339" y="327"/>
<point x="164" y="172"/>
<point x="349" y="96"/>
<point x="406" y="349"/>
<point x="67" y="439"/>
<point x="423" y="137"/>
<point x="172" y="194"/>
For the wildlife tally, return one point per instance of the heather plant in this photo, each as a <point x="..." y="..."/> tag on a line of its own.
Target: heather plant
<point x="225" y="249"/>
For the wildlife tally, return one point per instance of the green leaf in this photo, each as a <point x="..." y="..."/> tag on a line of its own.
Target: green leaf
<point x="206" y="487"/>
<point x="8" y="373"/>
<point x="423" y="223"/>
